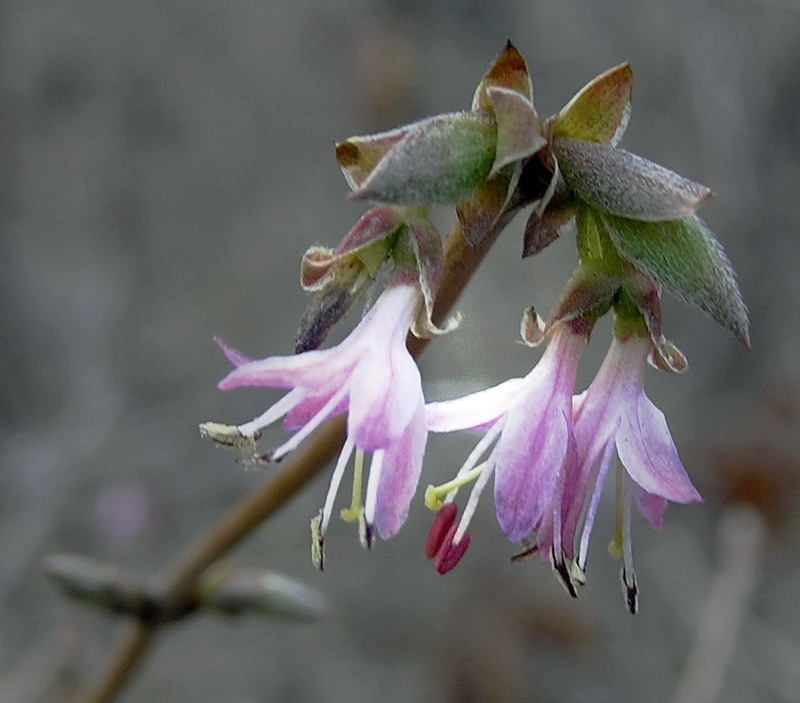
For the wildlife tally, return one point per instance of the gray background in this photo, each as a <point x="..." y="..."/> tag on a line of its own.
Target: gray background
<point x="164" y="166"/>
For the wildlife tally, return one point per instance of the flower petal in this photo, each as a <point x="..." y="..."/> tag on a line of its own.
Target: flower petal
<point x="309" y="407"/>
<point x="311" y="369"/>
<point x="384" y="396"/>
<point x="652" y="507"/>
<point x="233" y="355"/>
<point x="528" y="458"/>
<point x="402" y="465"/>
<point x="646" y="449"/>
<point x="473" y="410"/>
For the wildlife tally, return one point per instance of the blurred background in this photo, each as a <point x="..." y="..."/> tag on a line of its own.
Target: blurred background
<point x="165" y="165"/>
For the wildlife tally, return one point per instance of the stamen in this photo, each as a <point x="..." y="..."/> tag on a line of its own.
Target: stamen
<point x="336" y="479"/>
<point x="434" y="495"/>
<point x="353" y="513"/>
<point x="562" y="572"/>
<point x="365" y="532"/>
<point x="452" y="550"/>
<point x="591" y="511"/>
<point x="480" y="449"/>
<point x="529" y="550"/>
<point x="631" y="589"/>
<point x="615" y="546"/>
<point x="229" y="436"/>
<point x="312" y="424"/>
<point x="274" y="412"/>
<point x="472" y="503"/>
<point x="317" y="542"/>
<point x="375" y="470"/>
<point x="442" y="523"/>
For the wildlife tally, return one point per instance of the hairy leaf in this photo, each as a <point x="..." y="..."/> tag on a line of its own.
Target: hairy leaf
<point x="685" y="257"/>
<point x="618" y="182"/>
<point x="599" y="112"/>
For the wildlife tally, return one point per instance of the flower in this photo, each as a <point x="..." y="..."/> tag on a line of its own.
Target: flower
<point x="531" y="421"/>
<point x="372" y="377"/>
<point x="614" y="412"/>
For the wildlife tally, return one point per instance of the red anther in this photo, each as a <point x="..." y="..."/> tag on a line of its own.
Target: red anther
<point x="450" y="554"/>
<point x="442" y="522"/>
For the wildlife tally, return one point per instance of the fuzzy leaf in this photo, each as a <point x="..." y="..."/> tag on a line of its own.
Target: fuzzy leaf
<point x="618" y="182"/>
<point x="358" y="156"/>
<point x="684" y="256"/>
<point x="440" y="161"/>
<point x="519" y="130"/>
<point x="600" y="110"/>
<point x="509" y="71"/>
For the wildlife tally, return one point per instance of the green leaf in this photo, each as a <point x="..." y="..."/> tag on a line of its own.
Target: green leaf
<point x="684" y="257"/>
<point x="600" y="110"/>
<point x="358" y="156"/>
<point x="618" y="182"/>
<point x="440" y="160"/>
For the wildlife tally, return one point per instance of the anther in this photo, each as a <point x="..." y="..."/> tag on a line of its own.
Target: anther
<point x="451" y="553"/>
<point x="563" y="575"/>
<point x="630" y="590"/>
<point x="442" y="522"/>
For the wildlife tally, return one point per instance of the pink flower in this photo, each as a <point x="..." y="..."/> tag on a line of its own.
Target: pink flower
<point x="531" y="421"/>
<point x="372" y="377"/>
<point x="614" y="412"/>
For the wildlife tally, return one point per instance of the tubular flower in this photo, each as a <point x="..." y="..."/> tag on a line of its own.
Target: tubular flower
<point x="529" y="421"/>
<point x="614" y="412"/>
<point x="372" y="377"/>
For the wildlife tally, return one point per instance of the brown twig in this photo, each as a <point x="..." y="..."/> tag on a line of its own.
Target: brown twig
<point x="180" y="579"/>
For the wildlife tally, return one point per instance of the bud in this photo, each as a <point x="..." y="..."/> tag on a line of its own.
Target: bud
<point x="263" y="592"/>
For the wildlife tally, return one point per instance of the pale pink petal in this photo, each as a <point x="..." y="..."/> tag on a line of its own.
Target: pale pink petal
<point x="652" y="507"/>
<point x="307" y="409"/>
<point x="474" y="410"/>
<point x="234" y="356"/>
<point x="384" y="396"/>
<point x="528" y="457"/>
<point x="310" y="369"/>
<point x="402" y="465"/>
<point x="646" y="449"/>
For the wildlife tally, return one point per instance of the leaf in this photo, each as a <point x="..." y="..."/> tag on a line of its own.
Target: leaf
<point x="358" y="156"/>
<point x="441" y="160"/>
<point x="600" y="110"/>
<point x="519" y="130"/>
<point x="509" y="71"/>
<point x="618" y="182"/>
<point x="684" y="257"/>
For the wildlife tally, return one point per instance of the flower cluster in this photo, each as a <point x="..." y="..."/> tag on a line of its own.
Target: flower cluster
<point x="548" y="448"/>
